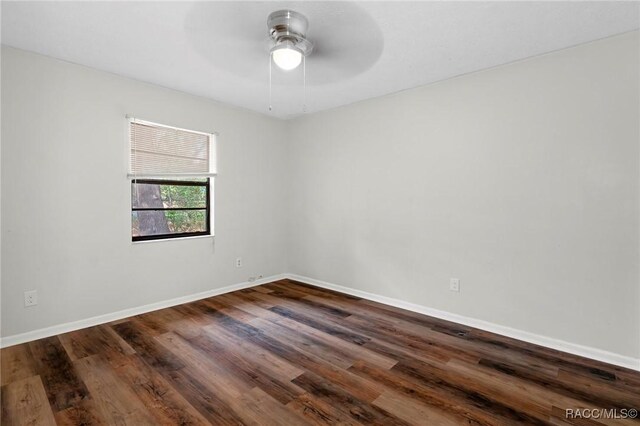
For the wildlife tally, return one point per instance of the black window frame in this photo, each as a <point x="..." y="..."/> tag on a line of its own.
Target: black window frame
<point x="207" y="208"/>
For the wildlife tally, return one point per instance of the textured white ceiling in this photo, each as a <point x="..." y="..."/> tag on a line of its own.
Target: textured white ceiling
<point x="364" y="49"/>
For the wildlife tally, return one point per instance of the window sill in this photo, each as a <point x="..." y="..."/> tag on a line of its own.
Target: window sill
<point x="162" y="240"/>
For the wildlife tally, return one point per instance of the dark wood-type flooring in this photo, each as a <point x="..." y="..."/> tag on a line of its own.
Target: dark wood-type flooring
<point x="287" y="353"/>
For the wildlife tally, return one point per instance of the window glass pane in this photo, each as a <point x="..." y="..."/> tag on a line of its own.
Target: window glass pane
<point x="145" y="223"/>
<point x="145" y="195"/>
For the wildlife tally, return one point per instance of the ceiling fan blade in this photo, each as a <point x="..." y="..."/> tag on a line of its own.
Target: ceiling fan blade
<point x="347" y="41"/>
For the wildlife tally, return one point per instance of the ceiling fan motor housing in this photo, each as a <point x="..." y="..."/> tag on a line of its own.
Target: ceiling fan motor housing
<point x="288" y="26"/>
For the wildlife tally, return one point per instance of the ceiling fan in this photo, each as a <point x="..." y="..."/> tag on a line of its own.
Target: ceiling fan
<point x="337" y="42"/>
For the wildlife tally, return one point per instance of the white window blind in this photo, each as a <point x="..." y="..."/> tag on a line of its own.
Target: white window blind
<point x="162" y="151"/>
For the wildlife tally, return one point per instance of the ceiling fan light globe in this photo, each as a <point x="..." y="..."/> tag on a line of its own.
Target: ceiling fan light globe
<point x="287" y="58"/>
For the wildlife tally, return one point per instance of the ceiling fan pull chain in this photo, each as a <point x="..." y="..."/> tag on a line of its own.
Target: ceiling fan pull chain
<point x="304" y="84"/>
<point x="270" y="105"/>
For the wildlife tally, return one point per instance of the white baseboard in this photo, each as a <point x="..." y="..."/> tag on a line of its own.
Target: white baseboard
<point x="572" y="348"/>
<point x="29" y="336"/>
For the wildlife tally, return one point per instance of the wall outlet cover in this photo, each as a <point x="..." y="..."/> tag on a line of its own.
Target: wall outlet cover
<point x="454" y="284"/>
<point x="30" y="298"/>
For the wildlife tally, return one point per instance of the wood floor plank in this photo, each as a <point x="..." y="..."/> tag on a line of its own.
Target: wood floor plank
<point x="96" y="340"/>
<point x="165" y="404"/>
<point x="310" y="289"/>
<point x="244" y="367"/>
<point x="17" y="364"/>
<point x="203" y="396"/>
<point x="277" y="366"/>
<point x="455" y="344"/>
<point x="261" y="289"/>
<point x="113" y="398"/>
<point x="202" y="365"/>
<point x="592" y="368"/>
<point x="413" y="413"/>
<point x="401" y="342"/>
<point x="467" y="405"/>
<point x="245" y="301"/>
<point x="575" y="363"/>
<point x="305" y="343"/>
<point x="114" y="345"/>
<point x="229" y="388"/>
<point x="570" y="385"/>
<point x="616" y="393"/>
<point x="398" y="352"/>
<point x="25" y="402"/>
<point x="359" y="410"/>
<point x="147" y="347"/>
<point x="352" y="383"/>
<point x="59" y="376"/>
<point x="287" y="300"/>
<point x="258" y="408"/>
<point x="287" y="353"/>
<point x="342" y="333"/>
<point x="487" y="389"/>
<point x="505" y="388"/>
<point x="82" y="413"/>
<point x="77" y="344"/>
<point x="338" y="339"/>
<point x="178" y="319"/>
<point x="226" y="309"/>
<point x="317" y="412"/>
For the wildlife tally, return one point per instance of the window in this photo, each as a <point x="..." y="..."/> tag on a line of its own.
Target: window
<point x="171" y="174"/>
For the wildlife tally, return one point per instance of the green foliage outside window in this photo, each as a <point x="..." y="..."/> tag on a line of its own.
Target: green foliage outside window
<point x="184" y="196"/>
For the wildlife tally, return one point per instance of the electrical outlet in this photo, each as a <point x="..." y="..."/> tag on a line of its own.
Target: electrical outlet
<point x="30" y="298"/>
<point x="238" y="262"/>
<point x="454" y="284"/>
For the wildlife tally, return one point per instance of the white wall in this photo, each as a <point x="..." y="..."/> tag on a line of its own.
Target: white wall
<point x="522" y="181"/>
<point x="65" y="211"/>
